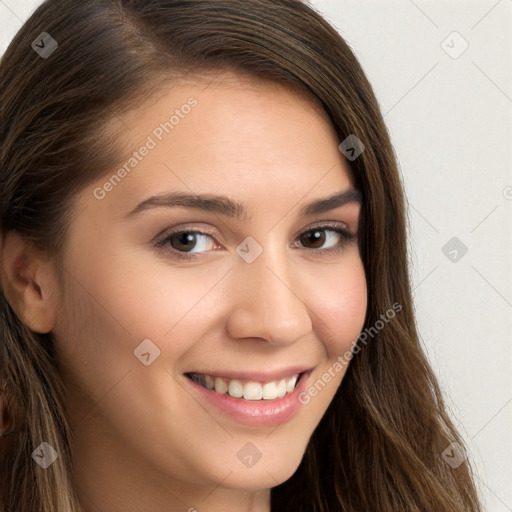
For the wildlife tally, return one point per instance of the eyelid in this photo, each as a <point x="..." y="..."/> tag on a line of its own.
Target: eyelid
<point x="323" y="224"/>
<point x="213" y="232"/>
<point x="180" y="228"/>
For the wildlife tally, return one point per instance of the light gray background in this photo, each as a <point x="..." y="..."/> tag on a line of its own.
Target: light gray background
<point x="451" y="124"/>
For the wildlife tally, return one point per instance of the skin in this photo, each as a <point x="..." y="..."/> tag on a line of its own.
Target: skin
<point x="141" y="442"/>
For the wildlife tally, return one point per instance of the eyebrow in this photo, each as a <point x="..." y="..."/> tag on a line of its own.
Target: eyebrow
<point x="235" y="209"/>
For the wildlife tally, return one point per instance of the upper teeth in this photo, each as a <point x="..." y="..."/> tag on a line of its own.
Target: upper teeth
<point x="250" y="390"/>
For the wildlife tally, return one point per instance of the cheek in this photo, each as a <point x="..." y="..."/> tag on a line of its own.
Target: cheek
<point x="112" y="307"/>
<point x="127" y="305"/>
<point x="340" y="309"/>
<point x="340" y="304"/>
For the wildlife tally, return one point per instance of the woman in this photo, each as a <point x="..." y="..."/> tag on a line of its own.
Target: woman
<point x="277" y="367"/>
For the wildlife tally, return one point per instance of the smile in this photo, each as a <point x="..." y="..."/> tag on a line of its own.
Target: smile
<point x="247" y="390"/>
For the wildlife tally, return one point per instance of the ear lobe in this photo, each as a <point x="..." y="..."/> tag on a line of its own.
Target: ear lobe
<point x="28" y="283"/>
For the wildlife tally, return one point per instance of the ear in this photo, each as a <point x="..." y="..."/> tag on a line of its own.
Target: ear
<point x="29" y="283"/>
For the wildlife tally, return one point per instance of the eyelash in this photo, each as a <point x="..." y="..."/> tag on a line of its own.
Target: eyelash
<point x="347" y="237"/>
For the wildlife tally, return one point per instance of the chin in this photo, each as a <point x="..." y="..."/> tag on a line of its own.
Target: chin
<point x="259" y="480"/>
<point x="266" y="474"/>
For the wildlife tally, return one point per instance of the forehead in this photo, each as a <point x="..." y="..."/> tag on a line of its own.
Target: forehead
<point x="227" y="135"/>
<point x="225" y="103"/>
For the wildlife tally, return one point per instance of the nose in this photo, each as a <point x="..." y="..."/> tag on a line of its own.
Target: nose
<point x="267" y="302"/>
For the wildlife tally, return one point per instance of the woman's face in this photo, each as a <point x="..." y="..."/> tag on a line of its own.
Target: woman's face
<point x="253" y="294"/>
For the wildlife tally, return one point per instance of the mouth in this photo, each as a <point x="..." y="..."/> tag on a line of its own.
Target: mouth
<point x="248" y="389"/>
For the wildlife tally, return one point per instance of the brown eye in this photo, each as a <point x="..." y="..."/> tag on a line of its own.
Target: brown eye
<point x="184" y="241"/>
<point x="190" y="244"/>
<point x="315" y="237"/>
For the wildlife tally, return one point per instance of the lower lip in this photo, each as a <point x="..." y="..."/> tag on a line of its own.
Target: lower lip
<point x="254" y="413"/>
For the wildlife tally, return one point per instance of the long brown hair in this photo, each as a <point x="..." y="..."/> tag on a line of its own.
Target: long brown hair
<point x="379" y="446"/>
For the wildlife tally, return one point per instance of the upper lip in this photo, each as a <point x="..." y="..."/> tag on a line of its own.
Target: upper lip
<point x="259" y="375"/>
